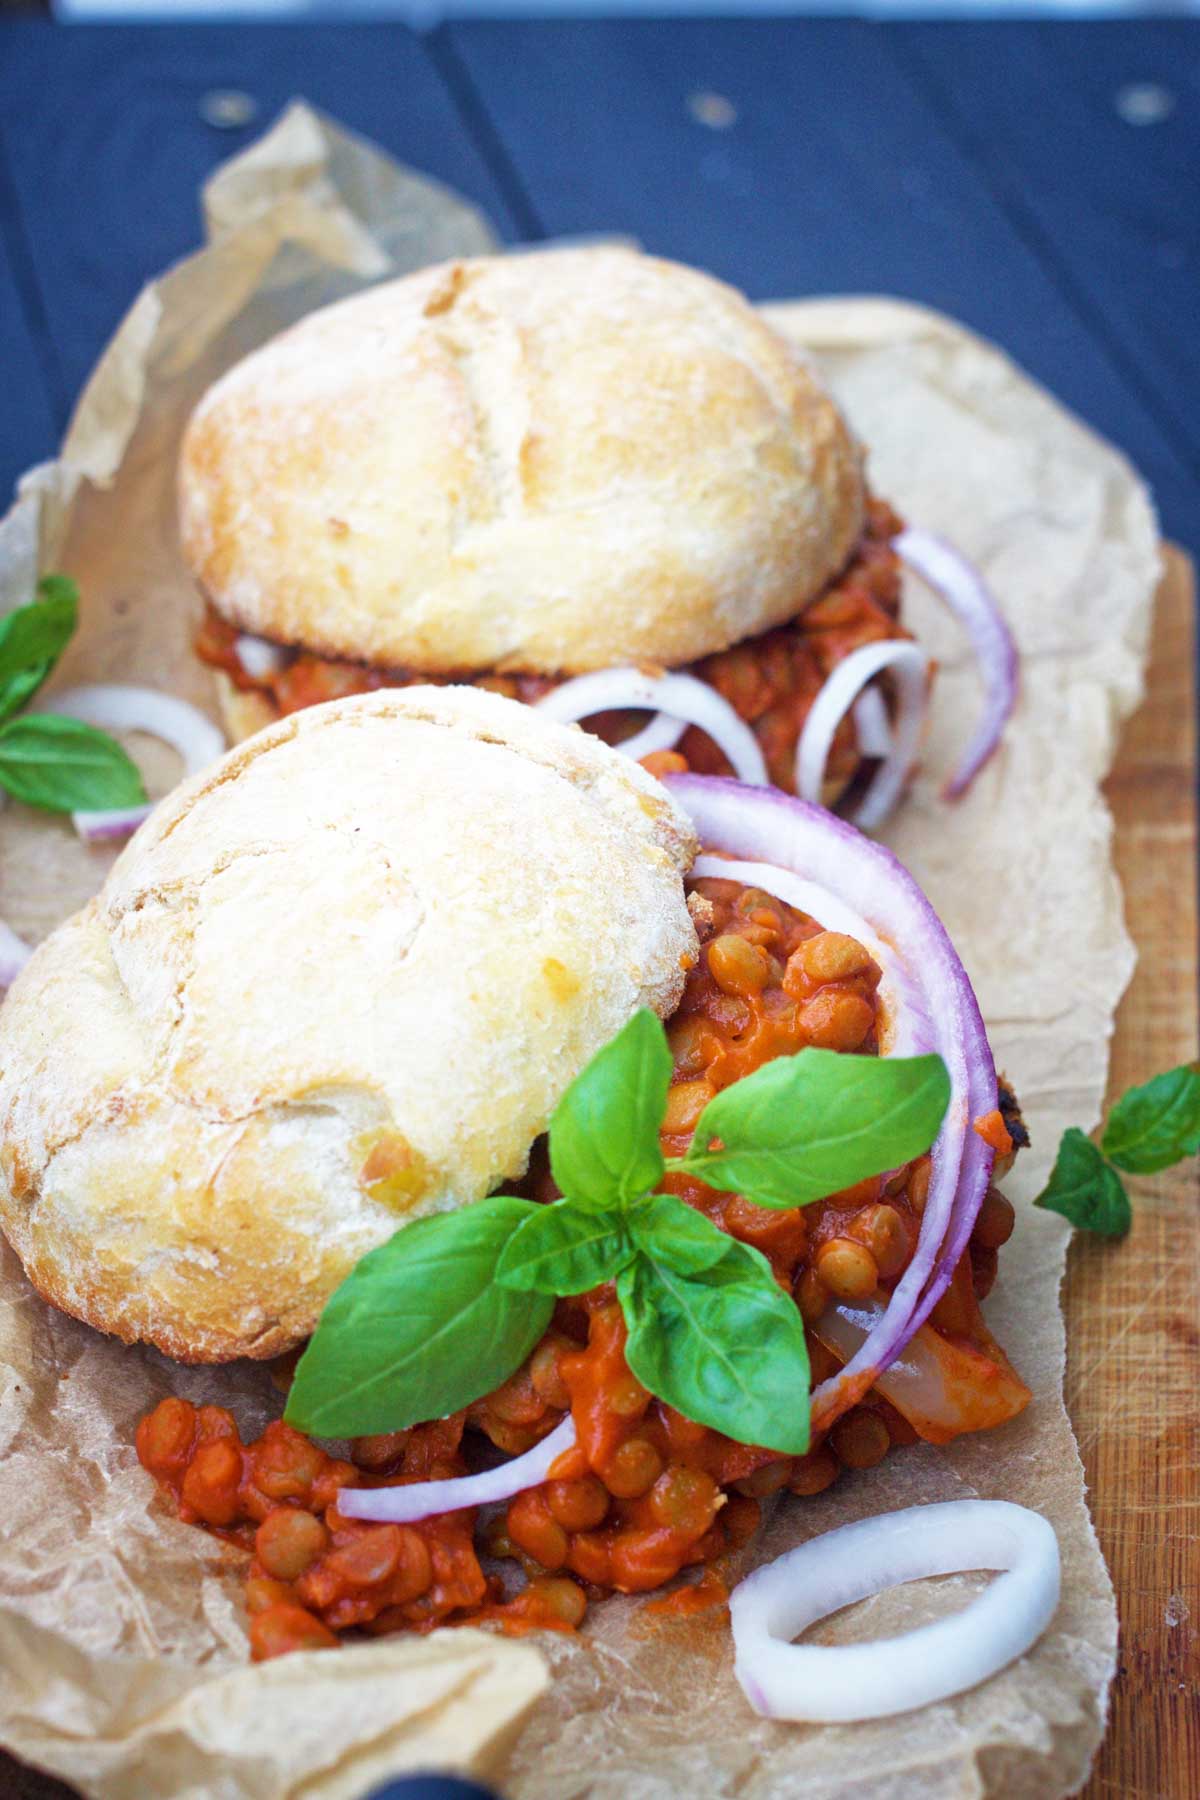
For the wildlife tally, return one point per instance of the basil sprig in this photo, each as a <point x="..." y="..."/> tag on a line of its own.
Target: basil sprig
<point x="451" y="1306"/>
<point x="1150" y="1128"/>
<point x="55" y="763"/>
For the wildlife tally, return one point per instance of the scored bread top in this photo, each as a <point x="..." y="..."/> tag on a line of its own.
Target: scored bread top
<point x="337" y="981"/>
<point x="547" y="463"/>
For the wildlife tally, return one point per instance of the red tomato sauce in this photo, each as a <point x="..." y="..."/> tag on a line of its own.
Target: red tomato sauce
<point x="645" y="1495"/>
<point x="771" y="681"/>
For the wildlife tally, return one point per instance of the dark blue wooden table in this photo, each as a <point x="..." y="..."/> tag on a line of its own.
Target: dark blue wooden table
<point x="998" y="172"/>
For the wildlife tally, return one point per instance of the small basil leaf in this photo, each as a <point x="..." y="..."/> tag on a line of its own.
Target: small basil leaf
<point x="1084" y="1188"/>
<point x="32" y="638"/>
<point x="724" y="1346"/>
<point x="419" y="1328"/>
<point x="1153" y="1126"/>
<point x="803" y="1127"/>
<point x="564" y="1249"/>
<point x="65" y="766"/>
<point x="604" y="1131"/>
<point x="676" y="1235"/>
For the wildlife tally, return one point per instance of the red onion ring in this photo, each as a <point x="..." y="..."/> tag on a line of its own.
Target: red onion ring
<point x="939" y="1013"/>
<point x="415" y="1500"/>
<point x="109" y="706"/>
<point x="958" y="583"/>
<point x="872" y="726"/>
<point x="832" y="1683"/>
<point x="680" y="696"/>
<point x="846" y="684"/>
<point x="14" y="954"/>
<point x="662" y="733"/>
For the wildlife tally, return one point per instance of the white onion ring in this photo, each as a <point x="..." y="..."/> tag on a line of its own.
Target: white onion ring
<point x="834" y="1683"/>
<point x="872" y="726"/>
<point x="14" y="954"/>
<point x="962" y="587"/>
<point x="662" y="733"/>
<point x="681" y="696"/>
<point x="260" y="657"/>
<point x="109" y="706"/>
<point x="937" y="1011"/>
<point x="415" y="1500"/>
<point x="909" y="667"/>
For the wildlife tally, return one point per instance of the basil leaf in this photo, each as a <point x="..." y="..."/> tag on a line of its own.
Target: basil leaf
<point x="676" y="1235"/>
<point x="803" y="1127"/>
<point x="32" y="638"/>
<point x="1084" y="1188"/>
<point x="1153" y="1126"/>
<point x="724" y="1346"/>
<point x="604" y="1131"/>
<point x="66" y="766"/>
<point x="419" y="1328"/>
<point x="564" y="1249"/>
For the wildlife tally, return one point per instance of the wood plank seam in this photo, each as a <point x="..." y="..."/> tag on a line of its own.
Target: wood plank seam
<point x="482" y="129"/>
<point x="929" y="88"/>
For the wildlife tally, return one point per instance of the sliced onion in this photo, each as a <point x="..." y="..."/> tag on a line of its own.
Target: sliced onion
<point x="426" y="1499"/>
<point x="943" y="1387"/>
<point x="112" y="707"/>
<point x="962" y="587"/>
<point x="840" y="1682"/>
<point x="872" y="726"/>
<point x="683" y="697"/>
<point x="934" y="1007"/>
<point x="909" y="668"/>
<point x="14" y="954"/>
<point x="260" y="657"/>
<point x="662" y="733"/>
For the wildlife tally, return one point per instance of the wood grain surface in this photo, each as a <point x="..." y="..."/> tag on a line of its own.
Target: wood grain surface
<point x="1133" y="1307"/>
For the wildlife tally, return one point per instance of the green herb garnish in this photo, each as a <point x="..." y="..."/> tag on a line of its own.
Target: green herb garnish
<point x="48" y="761"/>
<point x="451" y="1306"/>
<point x="1150" y="1128"/>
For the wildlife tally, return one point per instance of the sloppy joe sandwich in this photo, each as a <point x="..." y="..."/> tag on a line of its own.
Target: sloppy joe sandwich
<point x="335" y="983"/>
<point x="587" y="479"/>
<point x="622" y="1189"/>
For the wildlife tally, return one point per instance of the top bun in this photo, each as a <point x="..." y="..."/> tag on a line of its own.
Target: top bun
<point x="543" y="463"/>
<point x="335" y="982"/>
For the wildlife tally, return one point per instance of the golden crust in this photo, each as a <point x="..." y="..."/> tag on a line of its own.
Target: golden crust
<point x="336" y="982"/>
<point x="546" y="463"/>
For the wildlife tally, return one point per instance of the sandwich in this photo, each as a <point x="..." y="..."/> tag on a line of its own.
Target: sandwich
<point x="620" y="1155"/>
<point x="586" y="479"/>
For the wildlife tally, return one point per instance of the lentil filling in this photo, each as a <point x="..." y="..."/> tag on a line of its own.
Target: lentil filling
<point x="645" y="1493"/>
<point x="771" y="681"/>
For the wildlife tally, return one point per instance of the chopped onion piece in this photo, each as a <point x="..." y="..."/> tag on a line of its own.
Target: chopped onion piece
<point x="112" y="707"/>
<point x="962" y="587"/>
<point x="909" y="669"/>
<point x="260" y="657"/>
<point x="682" y="696"/>
<point x="934" y="1007"/>
<point x="14" y="954"/>
<point x="415" y="1500"/>
<point x="832" y="1683"/>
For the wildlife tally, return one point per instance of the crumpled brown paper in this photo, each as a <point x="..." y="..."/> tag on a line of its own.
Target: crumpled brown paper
<point x="121" y="1635"/>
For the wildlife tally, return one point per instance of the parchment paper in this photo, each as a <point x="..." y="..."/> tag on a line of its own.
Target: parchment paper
<point x="121" y="1636"/>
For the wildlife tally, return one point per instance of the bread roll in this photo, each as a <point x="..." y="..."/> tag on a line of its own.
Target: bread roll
<point x="546" y="463"/>
<point x="336" y="982"/>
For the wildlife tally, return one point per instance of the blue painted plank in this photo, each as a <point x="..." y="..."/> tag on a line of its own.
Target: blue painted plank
<point x="836" y="174"/>
<point x="1094" y="144"/>
<point x="108" y="162"/>
<point x="29" y="425"/>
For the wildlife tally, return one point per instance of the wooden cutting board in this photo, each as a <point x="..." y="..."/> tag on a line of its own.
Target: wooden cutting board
<point x="1133" y="1307"/>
